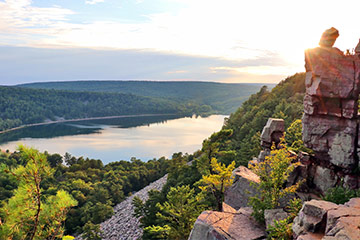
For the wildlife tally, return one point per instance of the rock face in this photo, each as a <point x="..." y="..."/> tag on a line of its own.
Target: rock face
<point x="271" y="134"/>
<point x="324" y="220"/>
<point x="212" y="225"/>
<point x="238" y="194"/>
<point x="330" y="120"/>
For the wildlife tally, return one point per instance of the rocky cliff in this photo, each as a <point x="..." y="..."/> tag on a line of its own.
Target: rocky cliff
<point x="331" y="130"/>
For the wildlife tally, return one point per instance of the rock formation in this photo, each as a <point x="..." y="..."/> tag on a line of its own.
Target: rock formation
<point x="325" y="220"/>
<point x="234" y="225"/>
<point x="330" y="121"/>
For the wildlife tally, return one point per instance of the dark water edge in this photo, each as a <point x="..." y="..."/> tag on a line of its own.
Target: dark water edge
<point x="115" y="139"/>
<point x="81" y="127"/>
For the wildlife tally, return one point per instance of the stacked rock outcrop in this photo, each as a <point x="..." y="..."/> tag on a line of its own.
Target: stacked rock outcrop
<point x="271" y="134"/>
<point x="330" y="120"/>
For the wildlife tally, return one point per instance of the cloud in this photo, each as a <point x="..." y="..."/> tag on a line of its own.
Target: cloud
<point x="92" y="2"/>
<point x="21" y="23"/>
<point x="41" y="64"/>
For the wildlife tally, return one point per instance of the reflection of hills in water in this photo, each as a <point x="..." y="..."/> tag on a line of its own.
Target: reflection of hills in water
<point x="81" y="127"/>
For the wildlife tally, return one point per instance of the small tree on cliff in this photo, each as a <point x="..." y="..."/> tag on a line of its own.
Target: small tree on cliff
<point x="217" y="182"/>
<point x="273" y="173"/>
<point x="29" y="214"/>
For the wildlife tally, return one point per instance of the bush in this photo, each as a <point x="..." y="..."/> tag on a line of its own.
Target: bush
<point x="273" y="173"/>
<point x="340" y="195"/>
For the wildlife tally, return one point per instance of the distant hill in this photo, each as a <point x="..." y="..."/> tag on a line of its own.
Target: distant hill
<point x="20" y="106"/>
<point x="222" y="97"/>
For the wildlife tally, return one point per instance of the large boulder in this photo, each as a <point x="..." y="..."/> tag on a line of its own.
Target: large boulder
<point x="238" y="194"/>
<point x="312" y="217"/>
<point x="272" y="132"/>
<point x="212" y="225"/>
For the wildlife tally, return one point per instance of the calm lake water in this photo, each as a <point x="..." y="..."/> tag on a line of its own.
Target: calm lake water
<point x="118" y="139"/>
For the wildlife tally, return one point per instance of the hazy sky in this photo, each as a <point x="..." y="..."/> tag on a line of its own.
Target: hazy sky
<point x="212" y="40"/>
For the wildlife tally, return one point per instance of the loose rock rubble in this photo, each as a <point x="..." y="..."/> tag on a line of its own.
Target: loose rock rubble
<point x="123" y="225"/>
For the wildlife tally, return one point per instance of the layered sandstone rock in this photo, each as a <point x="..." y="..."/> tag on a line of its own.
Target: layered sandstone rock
<point x="324" y="220"/>
<point x="330" y="120"/>
<point x="212" y="225"/>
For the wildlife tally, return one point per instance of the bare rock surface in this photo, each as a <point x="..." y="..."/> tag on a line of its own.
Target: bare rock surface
<point x="272" y="215"/>
<point x="238" y="194"/>
<point x="328" y="220"/>
<point x="212" y="225"/>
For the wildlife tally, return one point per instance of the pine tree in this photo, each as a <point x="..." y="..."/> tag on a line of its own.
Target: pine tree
<point x="30" y="214"/>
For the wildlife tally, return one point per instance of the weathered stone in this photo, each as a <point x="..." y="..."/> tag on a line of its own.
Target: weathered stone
<point x="311" y="236"/>
<point x="272" y="215"/>
<point x="334" y="215"/>
<point x="312" y="217"/>
<point x="351" y="181"/>
<point x="346" y="228"/>
<point x="314" y="105"/>
<point x="227" y="208"/>
<point x="263" y="154"/>
<point x="332" y="74"/>
<point x="332" y="136"/>
<point x="329" y="37"/>
<point x="238" y="194"/>
<point x="357" y="48"/>
<point x="272" y="132"/>
<point x="324" y="178"/>
<point x="211" y="225"/>
<point x="354" y="203"/>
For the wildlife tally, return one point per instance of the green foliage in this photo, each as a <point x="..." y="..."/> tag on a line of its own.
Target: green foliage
<point x="281" y="230"/>
<point x="285" y="101"/>
<point x="294" y="137"/>
<point x="294" y="207"/>
<point x="340" y="195"/>
<point x="29" y="213"/>
<point x="179" y="212"/>
<point x="224" y="98"/>
<point x="91" y="231"/>
<point x="156" y="232"/>
<point x="217" y="182"/>
<point x="273" y="173"/>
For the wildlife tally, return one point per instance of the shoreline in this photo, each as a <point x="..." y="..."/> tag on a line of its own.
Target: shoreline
<point x="86" y="119"/>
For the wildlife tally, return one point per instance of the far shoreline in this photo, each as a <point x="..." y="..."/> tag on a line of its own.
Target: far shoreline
<point x="86" y="119"/>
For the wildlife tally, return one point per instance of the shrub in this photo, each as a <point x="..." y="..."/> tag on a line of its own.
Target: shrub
<point x="273" y="173"/>
<point x="340" y="195"/>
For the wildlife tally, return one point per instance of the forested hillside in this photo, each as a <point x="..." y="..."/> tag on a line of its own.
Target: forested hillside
<point x="168" y="214"/>
<point x="223" y="98"/>
<point x="25" y="106"/>
<point x="238" y="141"/>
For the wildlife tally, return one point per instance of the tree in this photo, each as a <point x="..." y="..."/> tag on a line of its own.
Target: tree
<point x="30" y="214"/>
<point x="217" y="182"/>
<point x="179" y="212"/>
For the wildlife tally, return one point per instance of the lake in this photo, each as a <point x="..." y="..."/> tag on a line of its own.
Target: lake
<point x="109" y="140"/>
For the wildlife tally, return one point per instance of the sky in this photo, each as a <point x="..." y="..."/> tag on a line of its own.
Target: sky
<point x="252" y="41"/>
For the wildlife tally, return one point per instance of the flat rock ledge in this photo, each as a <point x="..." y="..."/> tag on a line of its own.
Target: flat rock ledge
<point x="123" y="225"/>
<point x="212" y="225"/>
